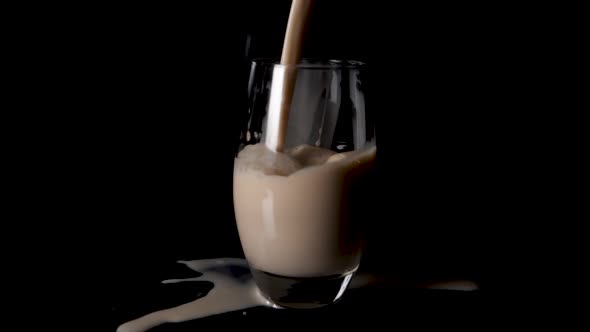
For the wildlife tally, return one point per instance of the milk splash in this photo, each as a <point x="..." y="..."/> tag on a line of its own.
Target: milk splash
<point x="234" y="290"/>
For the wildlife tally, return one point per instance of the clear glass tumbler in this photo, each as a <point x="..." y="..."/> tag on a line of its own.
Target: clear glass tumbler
<point x="300" y="211"/>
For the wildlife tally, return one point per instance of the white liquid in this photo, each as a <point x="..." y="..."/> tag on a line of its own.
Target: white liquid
<point x="292" y="209"/>
<point x="231" y="293"/>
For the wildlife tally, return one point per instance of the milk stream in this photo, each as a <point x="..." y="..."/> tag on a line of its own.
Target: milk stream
<point x="237" y="291"/>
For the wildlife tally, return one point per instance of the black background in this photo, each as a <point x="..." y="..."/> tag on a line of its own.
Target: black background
<point x="108" y="116"/>
<point x="159" y="120"/>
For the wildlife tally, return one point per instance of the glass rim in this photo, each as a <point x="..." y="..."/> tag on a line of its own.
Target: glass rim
<point x="313" y="63"/>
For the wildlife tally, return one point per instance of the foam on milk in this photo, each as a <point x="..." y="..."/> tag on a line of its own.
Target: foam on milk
<point x="292" y="209"/>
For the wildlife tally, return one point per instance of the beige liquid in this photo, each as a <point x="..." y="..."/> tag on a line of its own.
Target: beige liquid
<point x="229" y="294"/>
<point x="233" y="293"/>
<point x="293" y="209"/>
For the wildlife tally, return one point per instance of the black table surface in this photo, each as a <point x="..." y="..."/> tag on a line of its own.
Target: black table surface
<point x="136" y="290"/>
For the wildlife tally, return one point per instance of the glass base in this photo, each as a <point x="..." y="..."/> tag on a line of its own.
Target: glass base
<point x="301" y="293"/>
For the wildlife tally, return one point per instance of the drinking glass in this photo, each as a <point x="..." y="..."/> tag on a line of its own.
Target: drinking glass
<point x="299" y="208"/>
